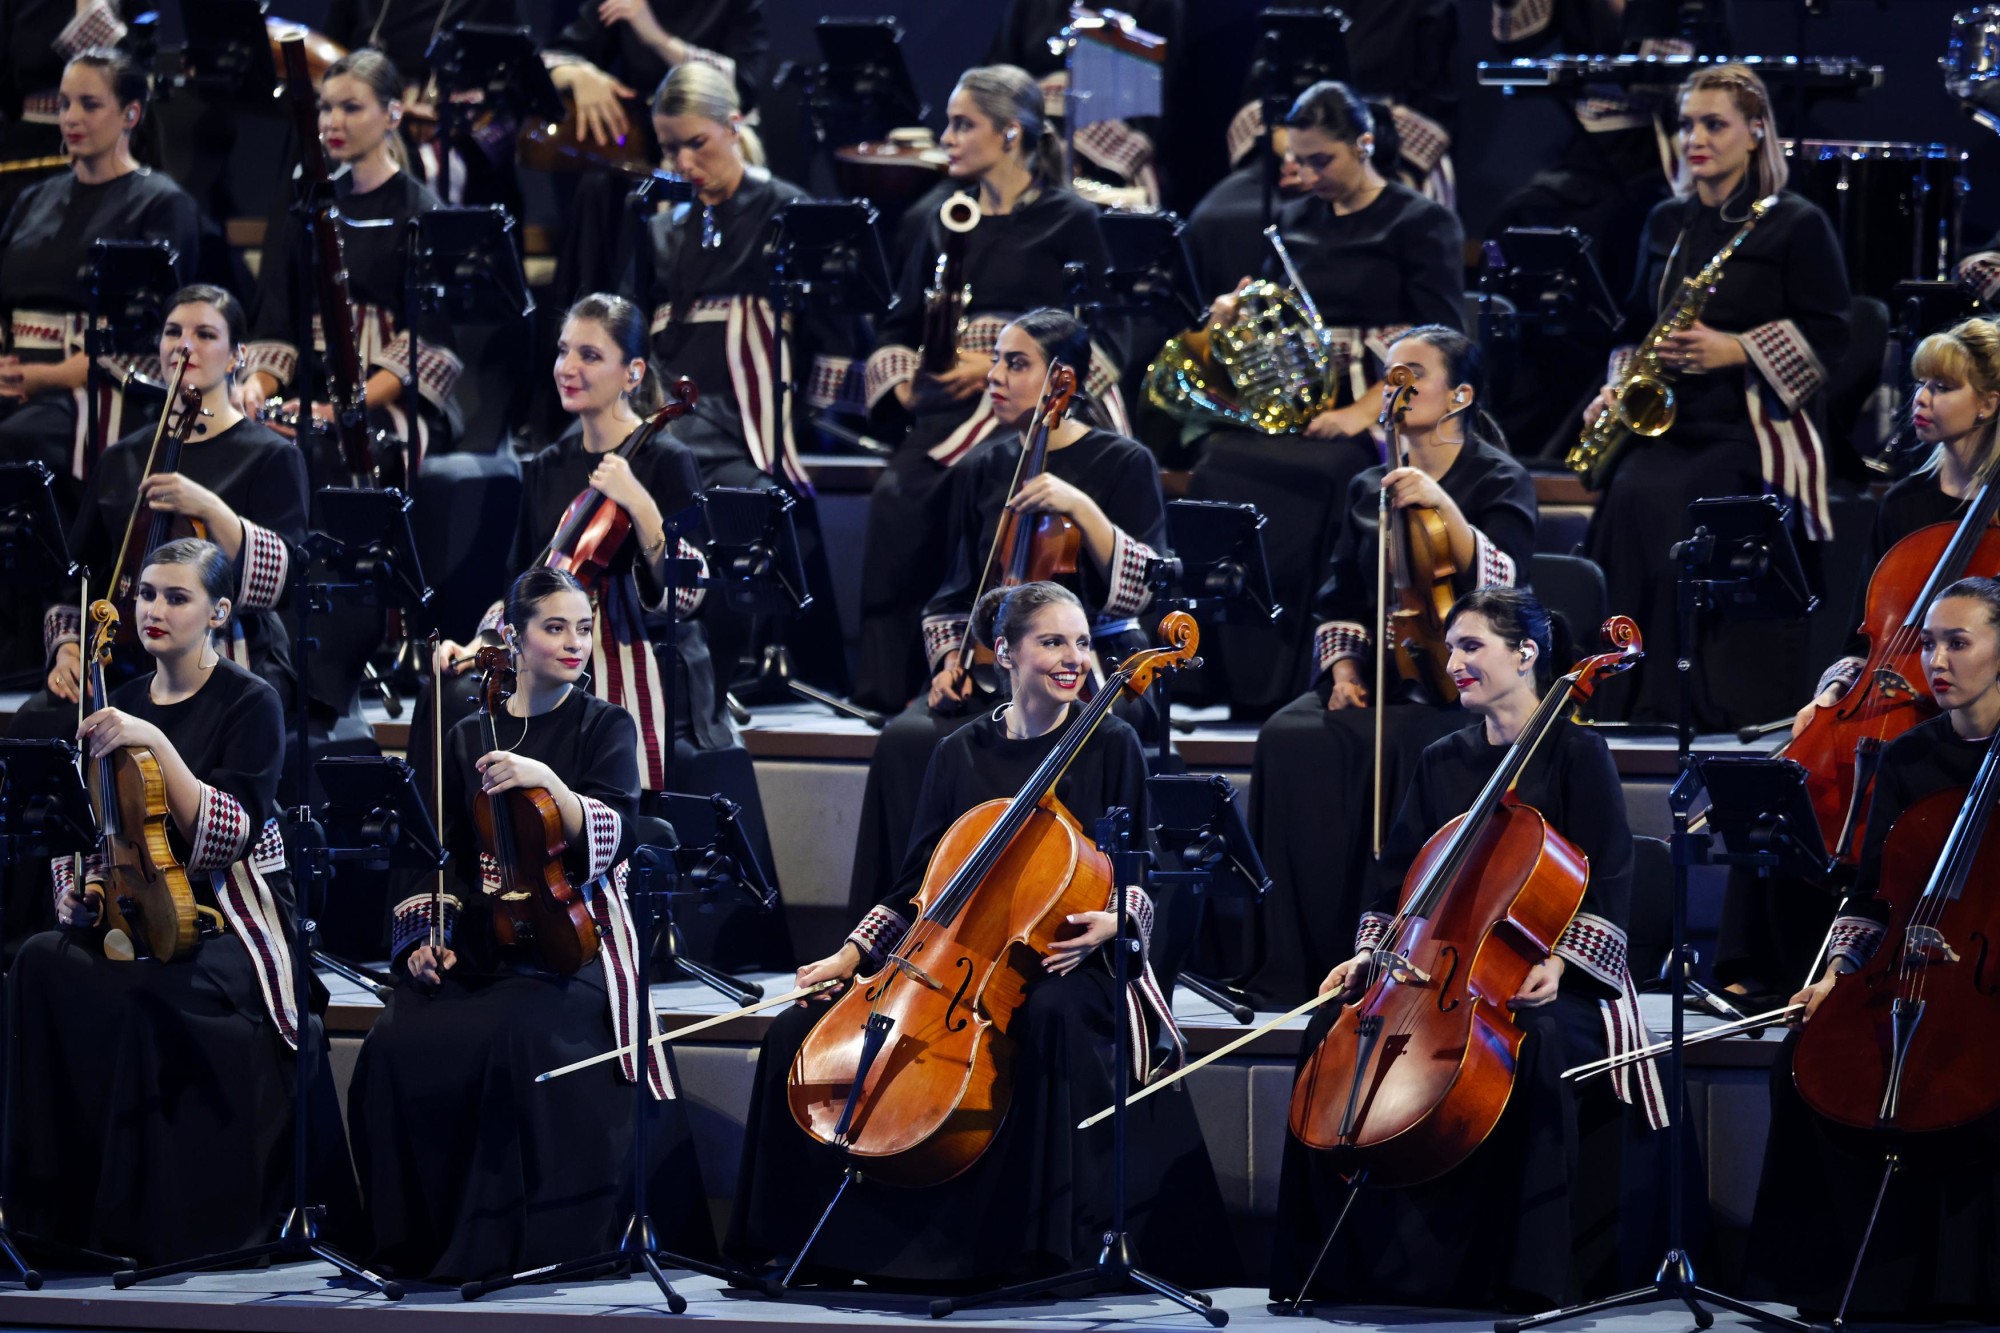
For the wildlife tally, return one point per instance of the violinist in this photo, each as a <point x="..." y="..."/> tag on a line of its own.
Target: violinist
<point x="1106" y="484"/>
<point x="1035" y="1198"/>
<point x="1931" y="1256"/>
<point x="624" y="49"/>
<point x="1317" y="855"/>
<point x="1030" y="225"/>
<point x="1772" y="928"/>
<point x="1437" y="1243"/>
<point x="161" y="1125"/>
<point x="360" y="107"/>
<point x="1376" y="258"/>
<point x="469" y="1167"/>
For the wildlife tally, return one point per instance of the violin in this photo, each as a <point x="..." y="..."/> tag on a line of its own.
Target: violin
<point x="596" y="528"/>
<point x="1902" y="1042"/>
<point x="1841" y="746"/>
<point x="149" y="903"/>
<point x="908" y="1071"/>
<point x="147" y="530"/>
<point x="1414" y="1074"/>
<point x="522" y="830"/>
<point x="1420" y="573"/>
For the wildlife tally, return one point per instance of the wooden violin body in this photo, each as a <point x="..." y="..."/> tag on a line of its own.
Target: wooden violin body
<point x="1846" y="1056"/>
<point x="1417" y="1072"/>
<point x="931" y="1105"/>
<point x="595" y="528"/>
<point x="1422" y="572"/>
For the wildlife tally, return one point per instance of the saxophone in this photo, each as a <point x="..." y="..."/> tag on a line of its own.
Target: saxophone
<point x="1642" y="402"/>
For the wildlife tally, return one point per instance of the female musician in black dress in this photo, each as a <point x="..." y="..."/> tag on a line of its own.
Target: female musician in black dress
<point x="1932" y="1255"/>
<point x="177" y="1075"/>
<point x="1772" y="927"/>
<point x="1002" y="151"/>
<point x="1376" y="257"/>
<point x="1435" y="1244"/>
<point x="469" y="1167"/>
<point x="360" y="107"/>
<point x="1109" y="486"/>
<point x="44" y="252"/>
<point x="1036" y="1198"/>
<point x="1317" y="852"/>
<point x="1749" y="374"/>
<point x="615" y="49"/>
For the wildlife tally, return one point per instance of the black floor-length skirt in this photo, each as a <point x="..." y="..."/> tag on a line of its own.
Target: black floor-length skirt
<point x="472" y="1169"/>
<point x="1311" y="799"/>
<point x="904" y="559"/>
<point x="1037" y="1201"/>
<point x="153" y="1104"/>
<point x="889" y="797"/>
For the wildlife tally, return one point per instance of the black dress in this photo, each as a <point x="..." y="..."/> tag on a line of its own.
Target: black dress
<point x="160" y="1125"/>
<point x="1317" y="851"/>
<point x="45" y="292"/>
<point x="1437" y="1244"/>
<point x="1124" y="479"/>
<point x="470" y="1168"/>
<point x="1036" y="1199"/>
<point x="732" y="35"/>
<point x="1013" y="264"/>
<point x="1372" y="273"/>
<point x="1747" y="430"/>
<point x="1933" y="1254"/>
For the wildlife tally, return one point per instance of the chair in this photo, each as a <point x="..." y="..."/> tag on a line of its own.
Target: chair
<point x="1572" y="586"/>
<point x="1649" y="918"/>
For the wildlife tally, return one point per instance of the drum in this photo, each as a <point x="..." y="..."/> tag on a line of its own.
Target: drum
<point x="1973" y="56"/>
<point x="1895" y="206"/>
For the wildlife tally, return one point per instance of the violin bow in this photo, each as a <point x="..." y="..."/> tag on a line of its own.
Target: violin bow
<point x="437" y="800"/>
<point x="152" y="461"/>
<point x="1754" y="1023"/>
<point x="965" y="646"/>
<point x="716" y="1020"/>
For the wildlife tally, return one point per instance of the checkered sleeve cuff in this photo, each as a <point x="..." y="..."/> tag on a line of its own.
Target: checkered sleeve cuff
<point x="266" y="562"/>
<point x="278" y="360"/>
<point x="701" y="55"/>
<point x="1786" y="360"/>
<point x="1372" y="931"/>
<point x="490" y="622"/>
<point x="1496" y="568"/>
<point x="1522" y="19"/>
<point x="438" y="368"/>
<point x="61" y="625"/>
<point x="837" y="384"/>
<point x="221" y="831"/>
<point x="1597" y="947"/>
<point x="62" y="874"/>
<point x="1131" y="561"/>
<point x="1842" y="673"/>
<point x="880" y="931"/>
<point x="1115" y="145"/>
<point x="1377" y="342"/>
<point x="688" y="600"/>
<point x="1982" y="273"/>
<point x="96" y="26"/>
<point x="1620" y="362"/>
<point x="411" y="922"/>
<point x="888" y="367"/>
<point x="1424" y="141"/>
<point x="943" y="636"/>
<point x="602" y="828"/>
<point x="1855" y="939"/>
<point x="1337" y="639"/>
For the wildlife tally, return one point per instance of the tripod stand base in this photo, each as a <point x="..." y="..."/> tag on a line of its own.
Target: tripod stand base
<point x="636" y="1248"/>
<point x="298" y="1238"/>
<point x="1219" y="995"/>
<point x="1114" y="1271"/>
<point x="776" y="680"/>
<point x="1674" y="1282"/>
<point x="734" y="989"/>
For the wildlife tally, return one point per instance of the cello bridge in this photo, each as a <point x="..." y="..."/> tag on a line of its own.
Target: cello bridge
<point x="1893" y="683"/>
<point x="1925" y="946"/>
<point x="1400" y="969"/>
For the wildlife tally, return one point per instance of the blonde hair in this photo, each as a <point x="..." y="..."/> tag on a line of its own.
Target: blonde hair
<point x="1753" y="102"/>
<point x="695" y="89"/>
<point x="1966" y="354"/>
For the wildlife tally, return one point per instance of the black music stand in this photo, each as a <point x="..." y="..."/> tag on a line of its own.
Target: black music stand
<point x="1741" y="564"/>
<point x="227" y="53"/>
<point x="130" y="285"/>
<point x="1218" y="569"/>
<point x="34" y="542"/>
<point x="490" y="69"/>
<point x="720" y="864"/>
<point x="463" y="266"/>
<point x="861" y="88"/>
<point x="374" y="806"/>
<point x="1148" y="272"/>
<point x="755" y="562"/>
<point x="826" y="258"/>
<point x="44" y="813"/>
<point x="1296" y="48"/>
<point x="1196" y="825"/>
<point x="1117" y="1267"/>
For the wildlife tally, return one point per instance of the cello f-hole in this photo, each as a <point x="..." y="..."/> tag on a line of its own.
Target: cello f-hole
<point x="1448" y="955"/>
<point x="952" y="1024"/>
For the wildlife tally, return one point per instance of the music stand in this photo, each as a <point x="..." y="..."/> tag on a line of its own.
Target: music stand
<point x="1740" y="564"/>
<point x="485" y="67"/>
<point x="713" y="859"/>
<point x="1296" y="48"/>
<point x="1542" y="280"/>
<point x="462" y="264"/>
<point x="227" y="53"/>
<point x="861" y="88"/>
<point x="1148" y="272"/>
<point x="34" y="544"/>
<point x="755" y="562"/>
<point x="130" y="285"/>
<point x="1197" y="826"/>
<point x="374" y="804"/>
<point x="826" y="258"/>
<point x="1217" y="569"/>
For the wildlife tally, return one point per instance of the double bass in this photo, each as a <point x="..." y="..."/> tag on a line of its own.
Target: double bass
<point x="908" y="1072"/>
<point x="522" y="830"/>
<point x="1413" y="1075"/>
<point x="596" y="528"/>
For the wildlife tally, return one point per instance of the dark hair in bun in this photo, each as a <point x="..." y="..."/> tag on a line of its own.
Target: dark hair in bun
<point x="1005" y="613"/>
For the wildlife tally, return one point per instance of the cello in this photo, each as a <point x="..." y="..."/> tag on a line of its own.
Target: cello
<point x="522" y="830"/>
<point x="1840" y="746"/>
<point x="1413" y="1076"/>
<point x="909" y="1070"/>
<point x="595" y="528"/>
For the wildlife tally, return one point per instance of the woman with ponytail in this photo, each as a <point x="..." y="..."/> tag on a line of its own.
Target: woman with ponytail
<point x="1006" y="156"/>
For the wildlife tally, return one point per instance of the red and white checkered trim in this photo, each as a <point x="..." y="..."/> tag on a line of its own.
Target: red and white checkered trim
<point x="1518" y="21"/>
<point x="1597" y="946"/>
<point x="839" y="384"/>
<point x="1131" y="559"/>
<point x="489" y="874"/>
<point x="41" y="108"/>
<point x="98" y="25"/>
<point x="1619" y="362"/>
<point x="243" y="892"/>
<point x="942" y="635"/>
<point x="1842" y="673"/>
<point x="1245" y="127"/>
<point x="221" y="830"/>
<point x="1146" y="994"/>
<point x="1378" y="341"/>
<point x="62" y="874"/>
<point x="1337" y="639"/>
<point x="61" y="624"/>
<point x="1855" y="939"/>
<point x="688" y="600"/>
<point x="705" y="310"/>
<point x="1982" y="273"/>
<point x="1116" y="146"/>
<point x="1496" y="568"/>
<point x="266" y="562"/>
<point x="1424" y="141"/>
<point x="45" y="331"/>
<point x="1372" y="930"/>
<point x="438" y="368"/>
<point x="1786" y="360"/>
<point x="880" y="931"/>
<point x="701" y="55"/>
<point x="411" y="922"/>
<point x="278" y="360"/>
<point x="602" y="827"/>
<point x="633" y="1017"/>
<point x="1602" y="115"/>
<point x="887" y="367"/>
<point x="1055" y="92"/>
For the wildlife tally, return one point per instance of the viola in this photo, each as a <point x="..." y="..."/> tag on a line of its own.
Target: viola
<point x="595" y="528"/>
<point x="1903" y="1043"/>
<point x="1841" y="746"/>
<point x="149" y="903"/>
<point x="536" y="906"/>
<point x="146" y="529"/>
<point x="1420" y="575"/>
<point x="908" y="1072"/>
<point x="1413" y="1075"/>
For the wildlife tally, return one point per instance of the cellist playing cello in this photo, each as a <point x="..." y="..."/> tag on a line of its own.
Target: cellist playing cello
<point x="1505" y="1228"/>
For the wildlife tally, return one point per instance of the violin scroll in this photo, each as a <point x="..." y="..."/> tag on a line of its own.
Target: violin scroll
<point x="496" y="665"/>
<point x="681" y="398"/>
